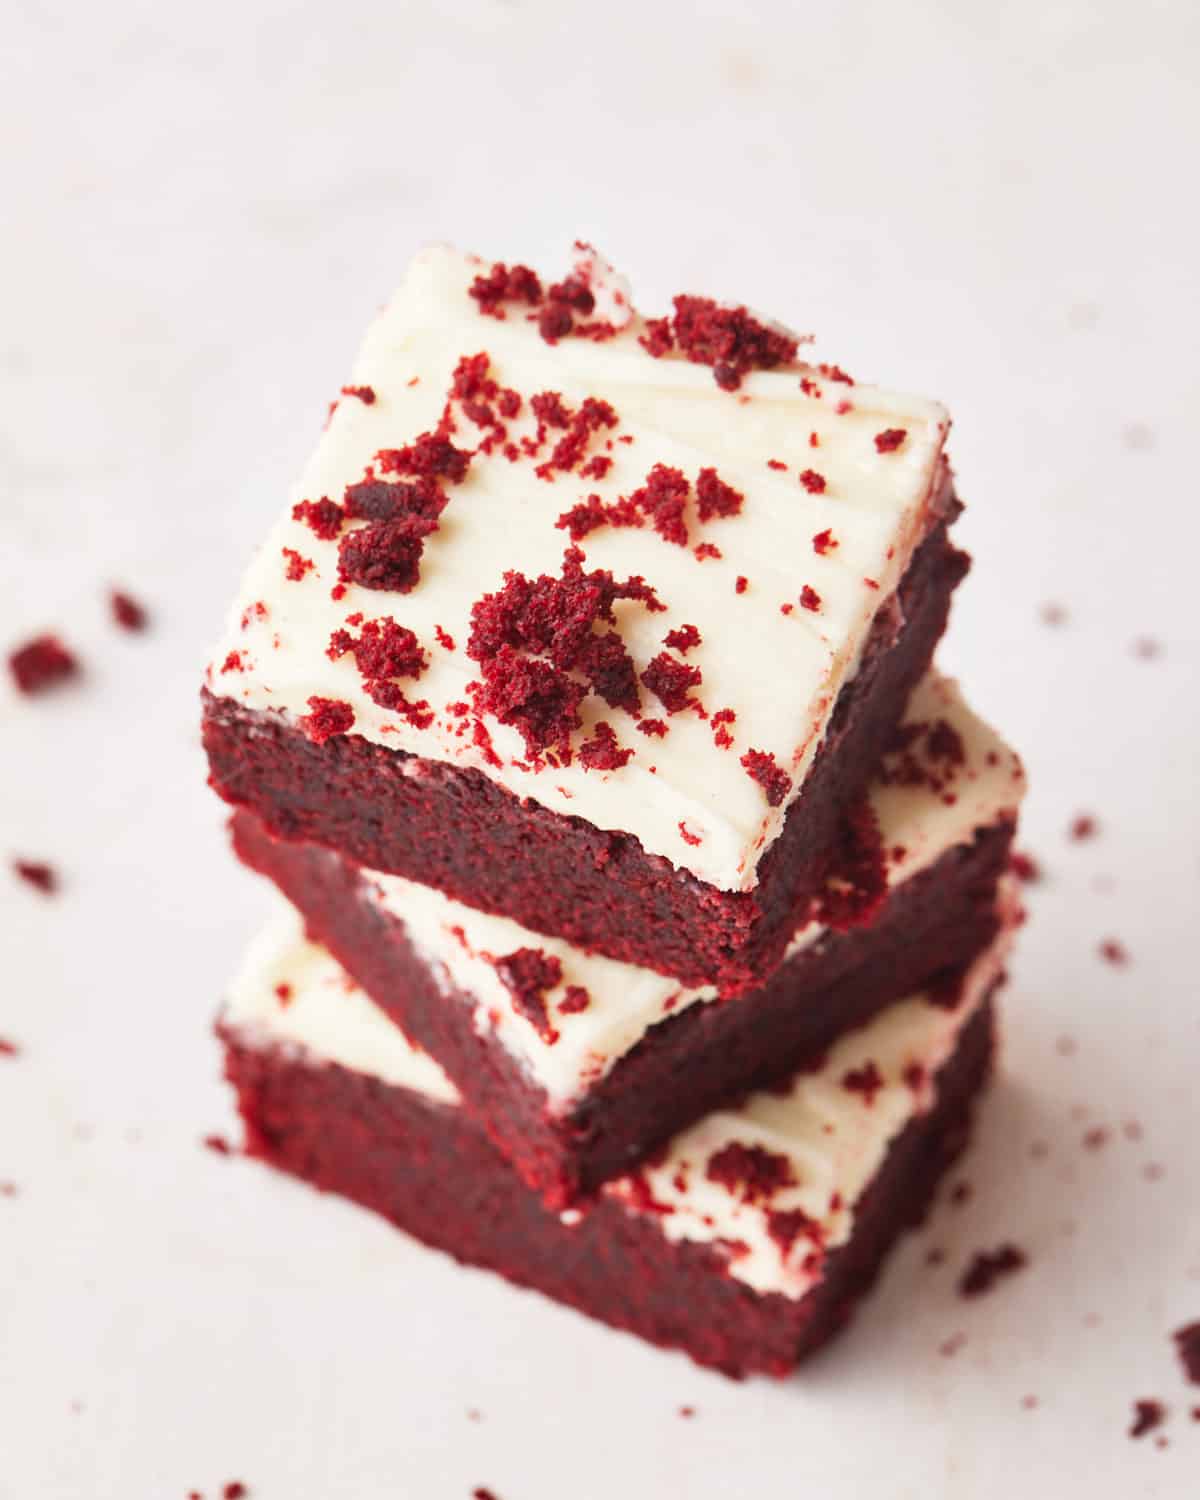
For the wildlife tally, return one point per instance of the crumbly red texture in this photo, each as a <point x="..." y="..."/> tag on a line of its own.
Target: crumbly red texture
<point x="662" y="500"/>
<point x="866" y="1080"/>
<point x="1147" y="1415"/>
<point x="218" y="1145"/>
<point x="730" y="339"/>
<point x="383" y="649"/>
<point x="824" y="542"/>
<point x="813" y="482"/>
<point x="787" y="1225"/>
<point x="365" y="393"/>
<point x="126" y="611"/>
<point x="416" y="501"/>
<point x="457" y="830"/>
<point x="42" y="663"/>
<point x="602" y="752"/>
<point x="385" y="555"/>
<point x="762" y="767"/>
<point x="692" y="1061"/>
<point x="431" y="1171"/>
<point x="751" y="1173"/>
<point x="431" y="456"/>
<point x="235" y="1489"/>
<point x="890" y="439"/>
<point x="1082" y="827"/>
<point x="719" y="723"/>
<point x="987" y="1267"/>
<point x="682" y="639"/>
<point x="1187" y="1346"/>
<point x="671" y="682"/>
<point x="1114" y="952"/>
<point x="810" y="599"/>
<point x="528" y="974"/>
<point x="41" y="876"/>
<point x="322" y="517"/>
<point x="504" y="284"/>
<point x="575" y="998"/>
<point x="326" y="717"/>
<point x="1024" y="867"/>
<point x="714" y="498"/>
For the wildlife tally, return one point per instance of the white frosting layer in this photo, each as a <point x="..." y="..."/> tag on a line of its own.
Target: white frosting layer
<point x="780" y="674"/>
<point x="832" y="1140"/>
<point x="290" y="993"/>
<point x="458" y="943"/>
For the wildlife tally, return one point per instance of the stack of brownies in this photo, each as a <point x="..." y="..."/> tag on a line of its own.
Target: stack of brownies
<point x="649" y="882"/>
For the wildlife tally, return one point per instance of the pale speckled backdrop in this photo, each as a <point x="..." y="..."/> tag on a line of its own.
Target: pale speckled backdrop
<point x="203" y="204"/>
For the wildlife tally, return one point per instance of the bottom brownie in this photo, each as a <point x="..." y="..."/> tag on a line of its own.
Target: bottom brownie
<point x="746" y="1243"/>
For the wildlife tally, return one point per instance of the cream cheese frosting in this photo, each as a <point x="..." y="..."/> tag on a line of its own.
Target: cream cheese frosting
<point x="825" y="1136"/>
<point x="683" y="795"/>
<point x="918" y="823"/>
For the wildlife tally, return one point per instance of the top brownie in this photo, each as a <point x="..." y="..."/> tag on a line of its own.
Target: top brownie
<point x="558" y="577"/>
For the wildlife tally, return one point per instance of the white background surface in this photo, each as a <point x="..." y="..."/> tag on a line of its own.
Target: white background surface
<point x="203" y="204"/>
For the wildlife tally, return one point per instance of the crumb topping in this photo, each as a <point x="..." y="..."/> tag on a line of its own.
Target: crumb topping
<point x="528" y="974"/>
<point x="751" y="1173"/>
<point x="41" y="664"/>
<point x="770" y="775"/>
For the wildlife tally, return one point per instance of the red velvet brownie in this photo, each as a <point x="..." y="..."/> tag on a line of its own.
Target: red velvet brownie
<point x="590" y="621"/>
<point x="746" y="1242"/>
<point x="579" y="1065"/>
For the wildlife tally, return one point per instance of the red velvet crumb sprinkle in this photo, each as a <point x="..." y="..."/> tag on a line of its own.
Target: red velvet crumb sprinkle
<point x="432" y="456"/>
<point x="126" y="611"/>
<point x="420" y="501"/>
<point x="671" y="682"/>
<point x="42" y="663"/>
<point x="322" y="517"/>
<point x="682" y="639"/>
<point x="1083" y="827"/>
<point x="385" y="555"/>
<point x="715" y="498"/>
<point x="741" y="585"/>
<point x="706" y="550"/>
<point x="502" y="284"/>
<point x="655" y="727"/>
<point x="527" y="974"/>
<point x="989" y="1266"/>
<point x="365" y="393"/>
<point x="786" y="1226"/>
<point x="1147" y="1415"/>
<point x="810" y="599"/>
<point x="890" y="439"/>
<point x="41" y="876"/>
<point x="729" y="339"/>
<point x="297" y="566"/>
<point x="328" y="717"/>
<point x="661" y="500"/>
<point x="770" y="775"/>
<point x="751" y="1173"/>
<point x="574" y="1000"/>
<point x="824" y="542"/>
<point x="688" y="836"/>
<point x="234" y="1490"/>
<point x="383" y="649"/>
<point x="658" y="338"/>
<point x="218" y="1145"/>
<point x="867" y="1081"/>
<point x="601" y="752"/>
<point x="777" y="464"/>
<point x="718" y="724"/>
<point x="444" y="638"/>
<point x="813" y="482"/>
<point x="283" y="993"/>
<point x="9" y="1049"/>
<point x="1187" y="1346"/>
<point x="1114" y="952"/>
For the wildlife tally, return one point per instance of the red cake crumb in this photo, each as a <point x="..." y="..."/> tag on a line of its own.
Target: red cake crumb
<point x="41" y="664"/>
<point x="596" y="467"/>
<point x="721" y="735"/>
<point x="867" y="1081"/>
<point x="729" y="339"/>
<point x="810" y="599"/>
<point x="365" y="393"/>
<point x="527" y="974"/>
<point x="385" y="555"/>
<point x="1187" y="1346"/>
<point x="671" y="681"/>
<point x="813" y="482"/>
<point x="432" y="456"/>
<point x="382" y="650"/>
<point x="233" y="663"/>
<point x="890" y="439"/>
<point x="234" y="1490"/>
<point x="481" y="1492"/>
<point x="574" y="1000"/>
<point x="706" y="550"/>
<point x="787" y="609"/>
<point x="555" y="322"/>
<point x="989" y="1266"/>
<point x="502" y="284"/>
<point x="661" y="500"/>
<point x="656" y="727"/>
<point x="41" y="876"/>
<point x="1082" y="827"/>
<point x="322" y="517"/>
<point x="601" y="752"/>
<point x="824" y="542"/>
<point x="297" y="566"/>
<point x="751" y="1173"/>
<point x="329" y="717"/>
<point x="682" y="639"/>
<point x="126" y="611"/>
<point x="8" y="1049"/>
<point x="1114" y="952"/>
<point x="658" y="338"/>
<point x="785" y="1226"/>
<point x="283" y="993"/>
<point x="444" y="639"/>
<point x="1024" y="867"/>
<point x="778" y="464"/>
<point x="217" y="1144"/>
<point x="688" y="837"/>
<point x="419" y="501"/>
<point x="715" y="498"/>
<point x="770" y="775"/>
<point x="1147" y="1415"/>
<point x="741" y="585"/>
<point x="835" y="373"/>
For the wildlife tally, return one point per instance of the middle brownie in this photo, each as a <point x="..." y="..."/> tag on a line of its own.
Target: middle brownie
<point x="579" y="1065"/>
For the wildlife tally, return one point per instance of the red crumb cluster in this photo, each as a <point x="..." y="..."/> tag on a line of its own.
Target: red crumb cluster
<point x="660" y="502"/>
<point x="322" y="517"/>
<point x="813" y="482"/>
<point x="671" y="682"/>
<point x="1187" y="1346"/>
<point x="927" y="753"/>
<point x="383" y="651"/>
<point x="558" y="306"/>
<point x="326" y="717"/>
<point x="751" y="1173"/>
<point x="602" y="752"/>
<point x="528" y="974"/>
<point x="719" y="725"/>
<point x="715" y="498"/>
<point x="730" y="339"/>
<point x="575" y="999"/>
<point x="42" y="663"/>
<point x="786" y="1226"/>
<point x="989" y="1266"/>
<point x="1147" y="1415"/>
<point x="824" y="543"/>
<point x="41" y="876"/>
<point x="890" y="439"/>
<point x="364" y="393"/>
<point x="682" y="639"/>
<point x="866" y="1080"/>
<point x="297" y="566"/>
<point x="531" y="635"/>
<point x="762" y="767"/>
<point x="126" y="611"/>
